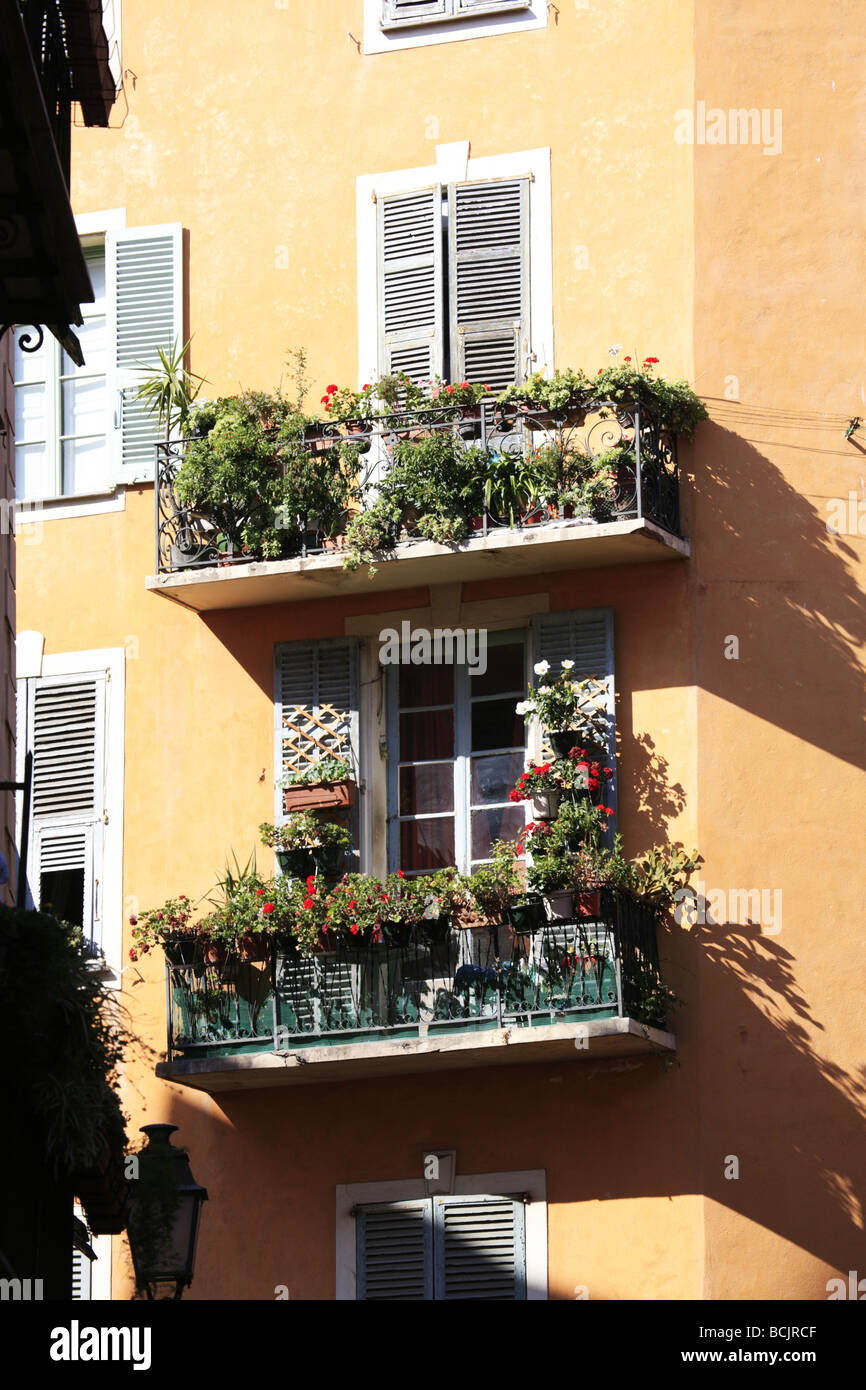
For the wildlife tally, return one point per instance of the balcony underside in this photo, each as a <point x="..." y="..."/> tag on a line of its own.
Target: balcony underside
<point x="503" y="553"/>
<point x="588" y="1041"/>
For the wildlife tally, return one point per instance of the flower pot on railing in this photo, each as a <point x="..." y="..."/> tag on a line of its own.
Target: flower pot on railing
<point x="318" y="796"/>
<point x="544" y="805"/>
<point x="358" y="435"/>
<point x="436" y="930"/>
<point x="214" y="953"/>
<point x="330" y="860"/>
<point x="296" y="863"/>
<point x="560" y="906"/>
<point x="398" y="934"/>
<point x="527" y="915"/>
<point x="255" y="946"/>
<point x="181" y="950"/>
<point x="588" y="904"/>
<point x="562" y="741"/>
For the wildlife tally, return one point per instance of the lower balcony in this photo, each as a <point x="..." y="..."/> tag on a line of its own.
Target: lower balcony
<point x="442" y="998"/>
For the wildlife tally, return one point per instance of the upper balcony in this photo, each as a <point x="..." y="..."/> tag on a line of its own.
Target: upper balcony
<point x="433" y="998"/>
<point x="523" y="491"/>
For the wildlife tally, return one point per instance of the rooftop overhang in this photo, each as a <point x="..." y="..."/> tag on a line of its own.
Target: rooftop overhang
<point x="501" y="553"/>
<point x="43" y="275"/>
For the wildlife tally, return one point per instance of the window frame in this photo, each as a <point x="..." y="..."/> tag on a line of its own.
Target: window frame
<point x="461" y="815"/>
<point x="108" y="664"/>
<point x="531" y="164"/>
<point x="449" y="28"/>
<point x="531" y="1182"/>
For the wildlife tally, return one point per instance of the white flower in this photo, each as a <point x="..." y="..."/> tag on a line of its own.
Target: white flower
<point x="617" y="348"/>
<point x="522" y="707"/>
<point x="567" y="665"/>
<point x="544" y="690"/>
<point x="542" y="668"/>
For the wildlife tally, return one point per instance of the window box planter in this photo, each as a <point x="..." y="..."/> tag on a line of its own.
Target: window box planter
<point x="319" y="796"/>
<point x="330" y="860"/>
<point x="560" y="906"/>
<point x="182" y="950"/>
<point x="398" y="934"/>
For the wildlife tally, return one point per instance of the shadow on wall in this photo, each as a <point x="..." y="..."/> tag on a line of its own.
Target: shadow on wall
<point x="786" y="586"/>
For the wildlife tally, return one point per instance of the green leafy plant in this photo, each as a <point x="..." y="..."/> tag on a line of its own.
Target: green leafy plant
<point x="304" y="830"/>
<point x="327" y="770"/>
<point x="662" y="871"/>
<point x="169" y="392"/>
<point x="489" y="889"/>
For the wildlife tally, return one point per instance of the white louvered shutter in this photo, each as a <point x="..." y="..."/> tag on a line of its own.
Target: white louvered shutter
<point x="466" y="7"/>
<point x="488" y="269"/>
<point x="395" y="1252"/>
<point x="584" y="636"/>
<point x="411" y="289"/>
<point x="144" y="277"/>
<point x="66" y="730"/>
<point x="316" y="704"/>
<point x="401" y="12"/>
<point x="480" y="1248"/>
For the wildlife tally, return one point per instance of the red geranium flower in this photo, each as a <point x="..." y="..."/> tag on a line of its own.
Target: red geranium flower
<point x="354" y="929"/>
<point x="133" y="955"/>
<point x="311" y="881"/>
<point x="260" y="892"/>
<point x="627" y="359"/>
<point x="450" y="390"/>
<point x="268" y="907"/>
<point x="308" y="903"/>
<point x="352" y="904"/>
<point x="514" y="795"/>
<point x="400" y="873"/>
<point x="332" y="390"/>
<point x="608" y="810"/>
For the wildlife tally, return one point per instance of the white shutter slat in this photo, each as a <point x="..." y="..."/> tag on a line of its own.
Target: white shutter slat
<point x="65" y="749"/>
<point x="395" y="1253"/>
<point x="402" y="12"/>
<point x="479" y="1248"/>
<point x="316" y="697"/>
<point x="490" y="6"/>
<point x="584" y="636"/>
<point x="489" y="280"/>
<point x="145" y="284"/>
<point x="410" y="288"/>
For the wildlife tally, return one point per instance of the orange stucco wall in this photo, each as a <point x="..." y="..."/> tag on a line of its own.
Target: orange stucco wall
<point x="736" y="268"/>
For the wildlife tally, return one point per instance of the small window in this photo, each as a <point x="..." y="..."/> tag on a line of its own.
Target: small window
<point x="402" y="14"/>
<point x="442" y="1248"/>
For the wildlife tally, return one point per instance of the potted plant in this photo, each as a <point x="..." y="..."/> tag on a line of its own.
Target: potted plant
<point x="540" y="785"/>
<point x="356" y="908"/>
<point x="565" y="707"/>
<point x="307" y="843"/>
<point x="440" y="892"/>
<point x="328" y="783"/>
<point x="169" y="927"/>
<point x="490" y="890"/>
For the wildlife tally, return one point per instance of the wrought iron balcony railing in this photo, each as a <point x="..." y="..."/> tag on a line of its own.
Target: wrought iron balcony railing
<point x="46" y="34"/>
<point x="435" y="981"/>
<point x="644" y="482"/>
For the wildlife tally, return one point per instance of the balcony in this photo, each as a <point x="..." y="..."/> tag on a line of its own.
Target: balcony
<point x="201" y="560"/>
<point x="442" y="999"/>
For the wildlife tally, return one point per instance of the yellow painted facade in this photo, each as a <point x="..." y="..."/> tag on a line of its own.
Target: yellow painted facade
<point x="739" y="269"/>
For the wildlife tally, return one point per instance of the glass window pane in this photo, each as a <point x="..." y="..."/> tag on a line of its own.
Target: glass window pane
<point x="493" y="778"/>
<point x="91" y="336"/>
<point x="96" y="271"/>
<point x="31" y="471"/>
<point x="426" y="844"/>
<point x="29" y="413"/>
<point x="84" y="407"/>
<point x="495" y="724"/>
<point x="426" y="685"/>
<point x="506" y="670"/>
<point x="83" y="465"/>
<point x="501" y="823"/>
<point x="424" y="790"/>
<point x="30" y="366"/>
<point x="426" y="737"/>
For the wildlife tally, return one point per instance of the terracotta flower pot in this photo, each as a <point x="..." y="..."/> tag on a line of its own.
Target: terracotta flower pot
<point x="319" y="796"/>
<point x="254" y="946"/>
<point x="588" y="904"/>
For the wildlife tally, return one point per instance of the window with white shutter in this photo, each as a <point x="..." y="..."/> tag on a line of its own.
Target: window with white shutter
<point x="144" y="284"/>
<point x="584" y="636"/>
<point x="442" y="1248"/>
<point x="79" y="430"/>
<point x="484" y="279"/>
<point x="404" y="13"/>
<point x="489" y="281"/>
<point x="65" y="719"/>
<point x="316" y="705"/>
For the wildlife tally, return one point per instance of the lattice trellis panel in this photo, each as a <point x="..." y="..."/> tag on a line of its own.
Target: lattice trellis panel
<point x="316" y="693"/>
<point x="593" y="705"/>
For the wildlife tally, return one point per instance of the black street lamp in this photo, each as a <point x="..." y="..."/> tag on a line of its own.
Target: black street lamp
<point x="165" y="1206"/>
